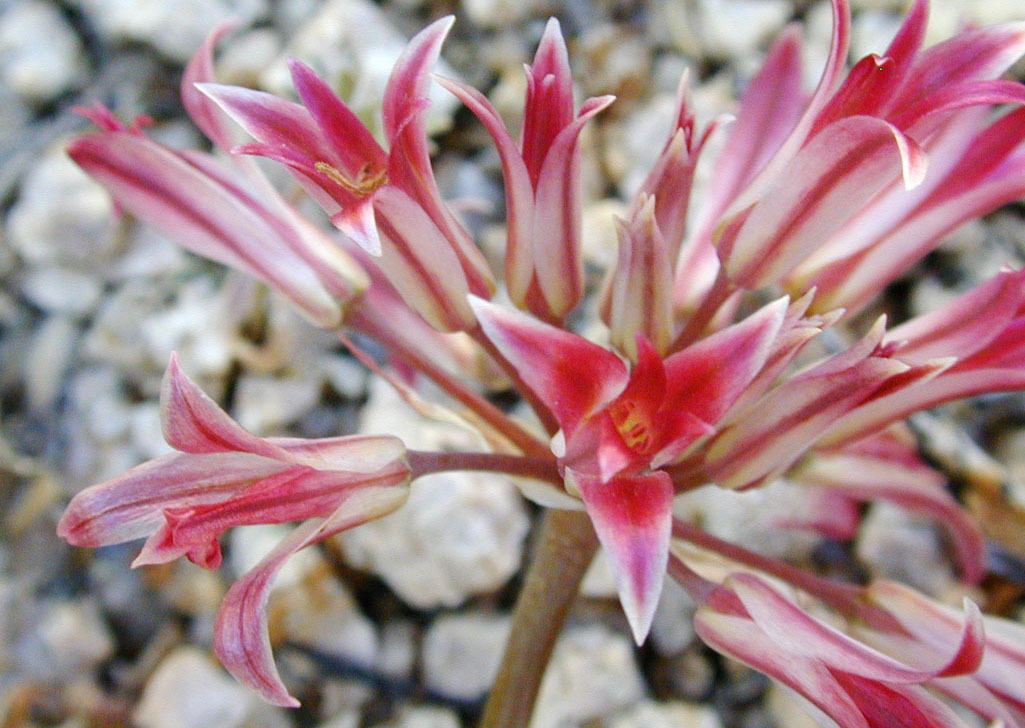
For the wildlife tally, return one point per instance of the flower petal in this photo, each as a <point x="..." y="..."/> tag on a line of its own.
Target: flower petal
<point x="241" y="640"/>
<point x="572" y="376"/>
<point x="632" y="516"/>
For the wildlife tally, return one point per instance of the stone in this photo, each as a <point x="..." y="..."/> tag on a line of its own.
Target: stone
<point x="266" y="404"/>
<point x="176" y="29"/>
<point x="41" y="57"/>
<point x="459" y="534"/>
<point x="61" y="216"/>
<point x="895" y="545"/>
<point x="462" y="652"/>
<point x="651" y="714"/>
<point x="423" y="717"/>
<point x="66" y="638"/>
<point x="62" y="291"/>
<point x="189" y="690"/>
<point x="47" y="358"/>
<point x="593" y="672"/>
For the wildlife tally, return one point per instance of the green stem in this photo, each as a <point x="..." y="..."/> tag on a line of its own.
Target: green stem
<point x="566" y="546"/>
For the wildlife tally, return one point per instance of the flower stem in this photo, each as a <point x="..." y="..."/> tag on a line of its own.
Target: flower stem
<point x="565" y="548"/>
<point x="424" y="463"/>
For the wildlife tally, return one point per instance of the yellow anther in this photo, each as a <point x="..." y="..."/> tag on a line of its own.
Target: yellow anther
<point x="366" y="182"/>
<point x="633" y="425"/>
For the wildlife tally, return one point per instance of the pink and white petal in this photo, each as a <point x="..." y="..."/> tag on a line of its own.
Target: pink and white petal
<point x="787" y="624"/>
<point x="793" y="417"/>
<point x="549" y="104"/>
<point x="558" y="266"/>
<point x="189" y="206"/>
<point x="349" y="453"/>
<point x="914" y="486"/>
<point x="779" y="165"/>
<point x="743" y="640"/>
<point x="274" y="122"/>
<point x="571" y="375"/>
<point x="519" y="191"/>
<point x="241" y="641"/>
<point x="351" y="141"/>
<point x="899" y="706"/>
<point x="841" y="168"/>
<point x="963" y="326"/>
<point x="768" y="110"/>
<point x="358" y="222"/>
<point x="193" y="423"/>
<point x="708" y="377"/>
<point x="632" y="516"/>
<point x="131" y="505"/>
<point x="201" y="109"/>
<point x="419" y="262"/>
<point x="411" y="75"/>
<point x="641" y="290"/>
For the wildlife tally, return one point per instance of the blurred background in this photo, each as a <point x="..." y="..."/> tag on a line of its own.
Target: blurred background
<point x="399" y="623"/>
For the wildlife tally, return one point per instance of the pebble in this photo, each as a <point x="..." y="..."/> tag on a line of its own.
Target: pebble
<point x="63" y="639"/>
<point x="895" y="545"/>
<point x="176" y="29"/>
<point x="189" y="690"/>
<point x="459" y="534"/>
<point x="47" y="358"/>
<point x="593" y="672"/>
<point x="61" y="217"/>
<point x="462" y="652"/>
<point x="41" y="57"/>
<point x="651" y="714"/>
<point x="265" y="404"/>
<point x="423" y="717"/>
<point x="62" y="291"/>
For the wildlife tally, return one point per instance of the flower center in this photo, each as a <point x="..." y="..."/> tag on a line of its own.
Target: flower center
<point x="633" y="424"/>
<point x="367" y="179"/>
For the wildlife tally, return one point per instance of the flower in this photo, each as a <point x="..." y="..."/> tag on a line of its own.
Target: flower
<point x="223" y="476"/>
<point x="229" y="214"/>
<point x="387" y="202"/>
<point x="752" y="621"/>
<point x="618" y="427"/>
<point x="543" y="266"/>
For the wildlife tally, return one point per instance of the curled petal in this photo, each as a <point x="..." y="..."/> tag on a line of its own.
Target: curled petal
<point x="241" y="640"/>
<point x="201" y="109"/>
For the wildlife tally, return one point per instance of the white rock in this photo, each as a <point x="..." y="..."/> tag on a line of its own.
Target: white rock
<point x="61" y="216"/>
<point x="325" y="617"/>
<point x="729" y="29"/>
<point x="672" y="630"/>
<point x="244" y="58"/>
<point x="353" y="45"/>
<point x="497" y="13"/>
<point x="458" y="534"/>
<point x="63" y="291"/>
<point x="175" y="28"/>
<point x="599" y="581"/>
<point x="265" y="404"/>
<point x="396" y="655"/>
<point x="901" y="547"/>
<point x="650" y="714"/>
<point x="461" y="653"/>
<point x="249" y="544"/>
<point x="751" y="518"/>
<point x="593" y="672"/>
<point x="188" y="690"/>
<point x="46" y="361"/>
<point x="40" y="55"/>
<point x="70" y="638"/>
<point x="423" y="717"/>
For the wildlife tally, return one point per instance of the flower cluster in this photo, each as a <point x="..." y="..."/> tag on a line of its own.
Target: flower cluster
<point x="815" y="204"/>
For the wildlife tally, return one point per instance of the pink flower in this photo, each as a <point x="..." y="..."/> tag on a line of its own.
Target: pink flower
<point x="752" y="621"/>
<point x="543" y="267"/>
<point x="385" y="201"/>
<point x="229" y="214"/>
<point x="619" y="426"/>
<point x="223" y="476"/>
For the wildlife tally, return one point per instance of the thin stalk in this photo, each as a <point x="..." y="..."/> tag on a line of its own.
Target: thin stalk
<point x="425" y="463"/>
<point x="717" y="295"/>
<point x="502" y="423"/>
<point x="542" y="412"/>
<point x="566" y="546"/>
<point x="848" y="599"/>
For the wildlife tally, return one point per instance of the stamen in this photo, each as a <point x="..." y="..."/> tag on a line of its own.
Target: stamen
<point x="367" y="181"/>
<point x="632" y="424"/>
